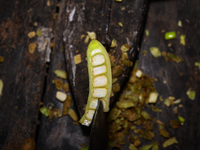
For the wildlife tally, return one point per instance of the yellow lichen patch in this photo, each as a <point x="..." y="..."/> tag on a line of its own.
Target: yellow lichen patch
<point x="77" y="59"/>
<point x="32" y="47"/>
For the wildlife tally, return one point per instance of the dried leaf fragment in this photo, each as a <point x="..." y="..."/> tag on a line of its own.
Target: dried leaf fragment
<point x="146" y="147"/>
<point x="132" y="147"/>
<point x="125" y="47"/>
<point x="67" y="104"/>
<point x="175" y="124"/>
<point x="77" y="59"/>
<point x="31" y="34"/>
<point x="114" y="113"/>
<point x="155" y="51"/>
<point x="117" y="71"/>
<point x="61" y="74"/>
<point x="116" y="87"/>
<point x="174" y="57"/>
<point x="145" y="115"/>
<point x="66" y="87"/>
<point x="86" y="39"/>
<point x="32" y="47"/>
<point x="48" y="3"/>
<point x="58" y="83"/>
<point x="28" y="144"/>
<point x="170" y="142"/>
<point x="73" y="115"/>
<point x="191" y="94"/>
<point x="61" y="96"/>
<point x="1" y="87"/>
<point x="125" y="104"/>
<point x="1" y="59"/>
<point x="56" y="113"/>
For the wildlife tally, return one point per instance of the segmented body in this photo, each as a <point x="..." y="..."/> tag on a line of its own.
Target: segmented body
<point x="100" y="80"/>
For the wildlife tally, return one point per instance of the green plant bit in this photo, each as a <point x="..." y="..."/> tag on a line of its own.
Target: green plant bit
<point x="125" y="47"/>
<point x="147" y="33"/>
<point x="61" y="74"/>
<point x="125" y="104"/>
<point x="169" y="101"/>
<point x="174" y="57"/>
<point x="170" y="35"/>
<point x="181" y="119"/>
<point x="182" y="39"/>
<point x="155" y="51"/>
<point x="191" y="94"/>
<point x="120" y="24"/>
<point x="113" y="43"/>
<point x="197" y="64"/>
<point x="180" y="23"/>
<point x="45" y="111"/>
<point x="170" y="142"/>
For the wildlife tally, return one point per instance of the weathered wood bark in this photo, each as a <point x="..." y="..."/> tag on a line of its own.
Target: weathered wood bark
<point x="179" y="77"/>
<point x="22" y="72"/>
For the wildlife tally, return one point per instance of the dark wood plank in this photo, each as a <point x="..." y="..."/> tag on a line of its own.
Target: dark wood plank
<point x="164" y="15"/>
<point x="87" y="18"/>
<point x="22" y="72"/>
<point x="60" y="133"/>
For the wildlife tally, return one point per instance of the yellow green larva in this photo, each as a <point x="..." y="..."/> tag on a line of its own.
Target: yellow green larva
<point x="100" y="80"/>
